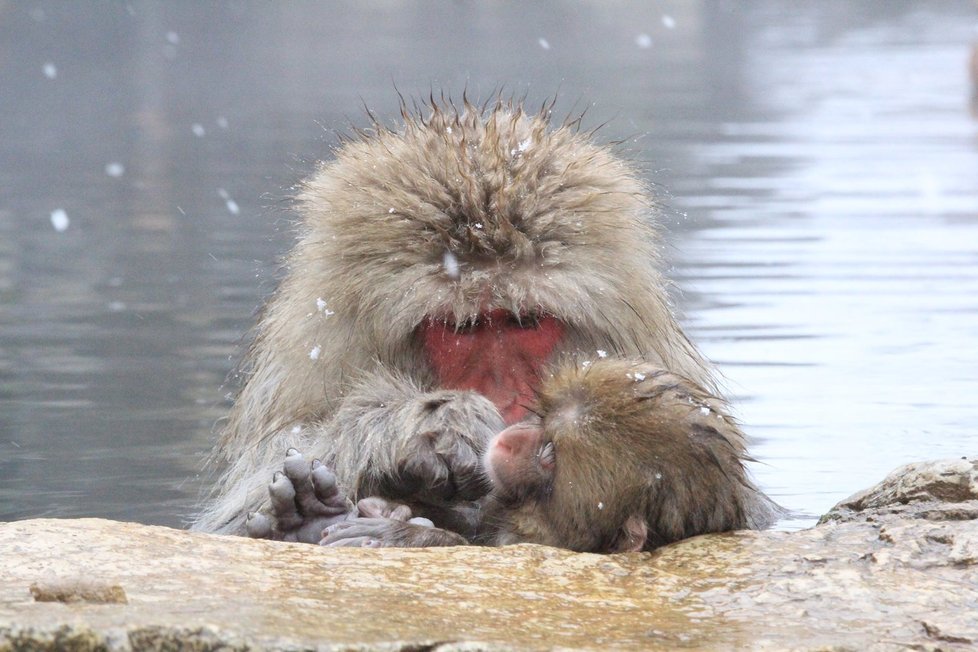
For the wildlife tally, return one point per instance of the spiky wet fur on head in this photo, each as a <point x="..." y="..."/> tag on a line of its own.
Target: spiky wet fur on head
<point x="535" y="217"/>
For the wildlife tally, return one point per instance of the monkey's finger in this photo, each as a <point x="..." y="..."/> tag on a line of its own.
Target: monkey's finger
<point x="296" y="467"/>
<point x="346" y="528"/>
<point x="384" y="533"/>
<point x="400" y="513"/>
<point x="282" y="494"/>
<point x="372" y="507"/>
<point x="299" y="471"/>
<point x="328" y="499"/>
<point x="377" y="528"/>
<point x="377" y="507"/>
<point x="417" y="475"/>
<point x="462" y="457"/>
<point x="355" y="542"/>
<point x="468" y="478"/>
<point x="258" y="526"/>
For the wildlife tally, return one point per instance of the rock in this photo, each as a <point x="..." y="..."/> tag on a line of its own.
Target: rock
<point x="941" y="490"/>
<point x="890" y="568"/>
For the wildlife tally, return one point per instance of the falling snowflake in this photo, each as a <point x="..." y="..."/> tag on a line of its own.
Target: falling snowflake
<point x="59" y="220"/>
<point x="114" y="169"/>
<point x="450" y="263"/>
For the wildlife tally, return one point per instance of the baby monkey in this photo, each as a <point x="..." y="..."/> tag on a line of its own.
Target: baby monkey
<point x="626" y="457"/>
<point x="620" y="457"/>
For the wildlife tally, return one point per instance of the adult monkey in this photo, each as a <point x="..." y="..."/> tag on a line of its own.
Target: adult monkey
<point x="439" y="269"/>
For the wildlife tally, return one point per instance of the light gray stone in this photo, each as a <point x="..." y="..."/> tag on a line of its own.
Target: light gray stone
<point x="894" y="567"/>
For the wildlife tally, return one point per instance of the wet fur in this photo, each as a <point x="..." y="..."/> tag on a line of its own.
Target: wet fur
<point x="640" y="442"/>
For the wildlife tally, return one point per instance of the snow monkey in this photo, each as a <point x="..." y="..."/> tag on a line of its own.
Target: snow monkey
<point x="442" y="269"/>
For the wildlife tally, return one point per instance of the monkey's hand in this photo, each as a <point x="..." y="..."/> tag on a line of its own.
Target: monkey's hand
<point x="389" y="533"/>
<point x="442" y="459"/>
<point x="305" y="499"/>
<point x="415" y="446"/>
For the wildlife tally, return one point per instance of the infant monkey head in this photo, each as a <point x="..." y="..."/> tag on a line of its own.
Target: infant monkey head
<point x="624" y="457"/>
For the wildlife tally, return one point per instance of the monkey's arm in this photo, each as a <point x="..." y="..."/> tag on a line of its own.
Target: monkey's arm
<point x="386" y="524"/>
<point x="389" y="533"/>
<point x="390" y="438"/>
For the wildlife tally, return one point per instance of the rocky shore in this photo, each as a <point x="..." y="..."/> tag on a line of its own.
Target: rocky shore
<point x="893" y="567"/>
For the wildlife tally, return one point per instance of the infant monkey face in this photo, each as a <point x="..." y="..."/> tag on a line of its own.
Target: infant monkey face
<point x="568" y="479"/>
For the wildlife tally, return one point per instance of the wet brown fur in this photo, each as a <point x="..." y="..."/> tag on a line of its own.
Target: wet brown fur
<point x="632" y="441"/>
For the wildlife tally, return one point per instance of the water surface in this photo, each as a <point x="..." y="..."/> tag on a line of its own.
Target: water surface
<point x="817" y="163"/>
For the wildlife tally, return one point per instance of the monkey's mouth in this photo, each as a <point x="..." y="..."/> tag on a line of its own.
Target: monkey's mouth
<point x="498" y="353"/>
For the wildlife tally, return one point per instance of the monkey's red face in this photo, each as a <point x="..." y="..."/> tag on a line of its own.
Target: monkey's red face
<point x="499" y="355"/>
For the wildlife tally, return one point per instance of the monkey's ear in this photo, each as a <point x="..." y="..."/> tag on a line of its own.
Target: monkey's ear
<point x="632" y="536"/>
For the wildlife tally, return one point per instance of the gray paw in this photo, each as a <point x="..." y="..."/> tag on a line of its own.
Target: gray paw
<point x="304" y="500"/>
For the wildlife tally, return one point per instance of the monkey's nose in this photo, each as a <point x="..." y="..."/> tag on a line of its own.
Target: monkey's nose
<point x="503" y="446"/>
<point x="515" y="441"/>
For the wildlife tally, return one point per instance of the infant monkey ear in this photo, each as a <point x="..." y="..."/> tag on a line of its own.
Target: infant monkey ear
<point x="632" y="536"/>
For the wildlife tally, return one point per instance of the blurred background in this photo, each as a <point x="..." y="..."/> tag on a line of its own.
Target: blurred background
<point x="817" y="163"/>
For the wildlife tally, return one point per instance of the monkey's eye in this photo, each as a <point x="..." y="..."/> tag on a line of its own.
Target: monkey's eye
<point x="548" y="456"/>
